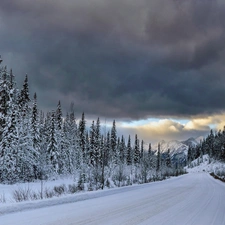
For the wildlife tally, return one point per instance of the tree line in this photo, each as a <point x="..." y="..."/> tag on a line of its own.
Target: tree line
<point x="213" y="145"/>
<point x="34" y="145"/>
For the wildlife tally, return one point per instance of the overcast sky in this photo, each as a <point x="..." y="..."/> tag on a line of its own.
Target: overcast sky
<point x="156" y="66"/>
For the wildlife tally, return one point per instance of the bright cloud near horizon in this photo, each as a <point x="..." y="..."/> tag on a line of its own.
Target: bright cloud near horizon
<point x="156" y="66"/>
<point x="155" y="130"/>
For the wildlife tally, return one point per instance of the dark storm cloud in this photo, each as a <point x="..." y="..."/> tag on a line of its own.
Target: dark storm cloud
<point x="129" y="59"/>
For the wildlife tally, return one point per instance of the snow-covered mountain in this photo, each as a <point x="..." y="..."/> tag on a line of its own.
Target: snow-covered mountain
<point x="178" y="149"/>
<point x="175" y="147"/>
<point x="190" y="142"/>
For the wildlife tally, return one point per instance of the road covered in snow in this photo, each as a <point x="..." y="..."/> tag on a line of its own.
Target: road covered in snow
<point x="189" y="199"/>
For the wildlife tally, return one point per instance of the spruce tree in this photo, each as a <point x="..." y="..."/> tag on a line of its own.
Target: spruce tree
<point x="87" y="148"/>
<point x="122" y="150"/>
<point x="5" y="100"/>
<point x="113" y="141"/>
<point x="60" y="139"/>
<point x="158" y="162"/>
<point x="82" y="133"/>
<point x="35" y="135"/>
<point x="24" y="97"/>
<point x="136" y="150"/>
<point x="71" y="143"/>
<point x="142" y="149"/>
<point x="52" y="146"/>
<point x="97" y="150"/>
<point x="92" y="144"/>
<point x="210" y="144"/>
<point x="129" y="152"/>
<point x="108" y="150"/>
<point x="149" y="150"/>
<point x="103" y="160"/>
<point x="117" y="154"/>
<point x="9" y="153"/>
<point x="58" y="115"/>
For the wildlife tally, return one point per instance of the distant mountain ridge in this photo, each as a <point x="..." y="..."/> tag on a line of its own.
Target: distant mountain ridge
<point x="178" y="149"/>
<point x="190" y="142"/>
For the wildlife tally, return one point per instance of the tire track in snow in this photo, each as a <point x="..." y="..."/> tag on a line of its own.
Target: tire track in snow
<point x="181" y="207"/>
<point x="219" y="199"/>
<point x="204" y="206"/>
<point x="204" y="202"/>
<point x="127" y="209"/>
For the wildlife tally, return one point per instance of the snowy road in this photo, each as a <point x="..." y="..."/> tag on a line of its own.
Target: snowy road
<point x="194" y="199"/>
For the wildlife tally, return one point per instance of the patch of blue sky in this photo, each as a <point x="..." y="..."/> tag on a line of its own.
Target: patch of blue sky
<point x="181" y="121"/>
<point x="213" y="126"/>
<point x="136" y="123"/>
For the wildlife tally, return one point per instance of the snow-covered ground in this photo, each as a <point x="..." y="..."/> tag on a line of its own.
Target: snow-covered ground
<point x="195" y="198"/>
<point x="205" y="165"/>
<point x="6" y="191"/>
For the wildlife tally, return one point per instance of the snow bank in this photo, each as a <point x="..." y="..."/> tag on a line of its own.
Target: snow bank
<point x="6" y="191"/>
<point x="204" y="164"/>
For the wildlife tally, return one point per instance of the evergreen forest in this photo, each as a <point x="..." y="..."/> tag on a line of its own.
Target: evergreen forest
<point x="41" y="146"/>
<point x="213" y="145"/>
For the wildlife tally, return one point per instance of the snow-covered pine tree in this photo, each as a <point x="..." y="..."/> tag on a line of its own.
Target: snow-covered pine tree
<point x="66" y="136"/>
<point x="129" y="152"/>
<point x="122" y="150"/>
<point x="87" y="149"/>
<point x="75" y="140"/>
<point x="210" y="144"/>
<point x="113" y="141"/>
<point x="92" y="144"/>
<point x="142" y="149"/>
<point x="60" y="139"/>
<point x="107" y="149"/>
<point x="28" y="154"/>
<point x="14" y="140"/>
<point x="144" y="164"/>
<point x="44" y="126"/>
<point x="103" y="160"/>
<point x="151" y="157"/>
<point x="5" y="100"/>
<point x="217" y="145"/>
<point x="52" y="149"/>
<point x="117" y="155"/>
<point x="97" y="143"/>
<point x="71" y="141"/>
<point x="24" y="98"/>
<point x="82" y="136"/>
<point x="119" y="162"/>
<point x="35" y="135"/>
<point x="149" y="150"/>
<point x="95" y="152"/>
<point x="190" y="155"/>
<point x="158" y="162"/>
<point x="98" y="156"/>
<point x="58" y="117"/>
<point x="9" y="149"/>
<point x="136" y="150"/>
